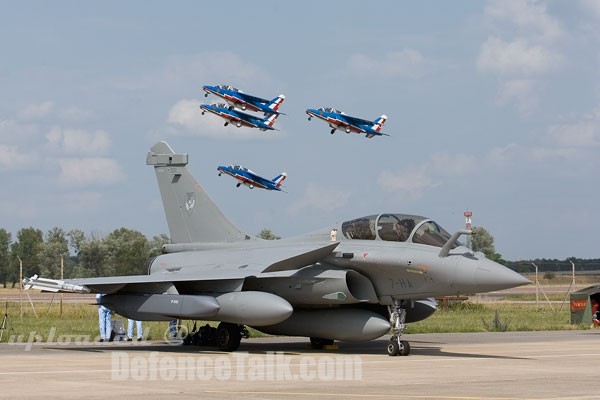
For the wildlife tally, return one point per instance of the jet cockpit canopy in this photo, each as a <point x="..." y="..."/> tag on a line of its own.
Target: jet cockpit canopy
<point x="397" y="228"/>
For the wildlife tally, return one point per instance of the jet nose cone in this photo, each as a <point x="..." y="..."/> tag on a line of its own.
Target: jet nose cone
<point x="491" y="276"/>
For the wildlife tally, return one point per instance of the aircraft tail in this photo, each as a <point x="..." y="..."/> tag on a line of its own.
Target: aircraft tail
<point x="192" y="216"/>
<point x="379" y="122"/>
<point x="278" y="180"/>
<point x="270" y="120"/>
<point x="276" y="102"/>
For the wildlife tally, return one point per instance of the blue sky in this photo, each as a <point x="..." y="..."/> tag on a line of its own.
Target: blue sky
<point x="493" y="107"/>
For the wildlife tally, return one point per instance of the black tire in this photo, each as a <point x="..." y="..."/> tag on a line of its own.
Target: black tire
<point x="404" y="348"/>
<point x="228" y="336"/>
<point x="393" y="348"/>
<point x="319" y="343"/>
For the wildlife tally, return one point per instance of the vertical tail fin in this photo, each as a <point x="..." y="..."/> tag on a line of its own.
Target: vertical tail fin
<point x="270" y="120"/>
<point x="379" y="122"/>
<point x="278" y="180"/>
<point x="191" y="214"/>
<point x="276" y="102"/>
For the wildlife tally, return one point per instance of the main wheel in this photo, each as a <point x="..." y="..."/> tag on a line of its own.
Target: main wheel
<point x="393" y="349"/>
<point x="319" y="343"/>
<point x="404" y="348"/>
<point x="228" y="336"/>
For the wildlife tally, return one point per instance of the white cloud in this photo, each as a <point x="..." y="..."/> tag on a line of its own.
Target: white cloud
<point x="322" y="198"/>
<point x="518" y="57"/>
<point x="592" y="5"/>
<point x="444" y="164"/>
<point x="89" y="171"/>
<point x="521" y="91"/>
<point x="74" y="114"/>
<point x="13" y="159"/>
<point x="37" y="111"/>
<point x="406" y="63"/>
<point x="581" y="134"/>
<point x="414" y="182"/>
<point x="78" y="141"/>
<point x="503" y="156"/>
<point x="523" y="46"/>
<point x="186" y="118"/>
<point x="13" y="131"/>
<point x="528" y="17"/>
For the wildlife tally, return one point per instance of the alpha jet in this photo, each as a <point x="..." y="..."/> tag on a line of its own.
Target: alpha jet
<point x="350" y="281"/>
<point x="340" y="120"/>
<point x="240" y="118"/>
<point x="238" y="99"/>
<point x="251" y="179"/>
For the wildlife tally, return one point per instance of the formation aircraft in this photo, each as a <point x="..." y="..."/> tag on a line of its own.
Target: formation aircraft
<point x="236" y="98"/>
<point x="350" y="281"/>
<point x="240" y="118"/>
<point x="251" y="179"/>
<point x="339" y="120"/>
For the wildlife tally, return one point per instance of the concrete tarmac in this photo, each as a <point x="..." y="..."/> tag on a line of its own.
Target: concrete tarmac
<point x="511" y="365"/>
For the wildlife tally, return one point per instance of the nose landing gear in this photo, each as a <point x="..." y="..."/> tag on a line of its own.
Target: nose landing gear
<point x="396" y="346"/>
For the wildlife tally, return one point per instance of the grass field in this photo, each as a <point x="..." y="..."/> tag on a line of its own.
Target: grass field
<point x="81" y="320"/>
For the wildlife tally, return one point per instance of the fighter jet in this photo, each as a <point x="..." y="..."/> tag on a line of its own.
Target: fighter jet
<point x="350" y="281"/>
<point x="236" y="98"/>
<point x="251" y="179"/>
<point x="340" y="120"/>
<point x="240" y="118"/>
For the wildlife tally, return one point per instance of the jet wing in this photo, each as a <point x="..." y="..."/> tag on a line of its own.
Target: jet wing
<point x="209" y="270"/>
<point x="251" y="99"/>
<point x="358" y="121"/>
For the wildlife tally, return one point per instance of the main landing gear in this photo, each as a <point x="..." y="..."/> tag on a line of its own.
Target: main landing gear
<point x="396" y="346"/>
<point x="226" y="336"/>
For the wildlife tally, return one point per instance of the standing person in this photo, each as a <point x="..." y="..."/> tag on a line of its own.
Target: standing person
<point x="104" y="322"/>
<point x="138" y="327"/>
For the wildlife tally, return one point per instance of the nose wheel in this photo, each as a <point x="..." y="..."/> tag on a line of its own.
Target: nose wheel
<point x="397" y="346"/>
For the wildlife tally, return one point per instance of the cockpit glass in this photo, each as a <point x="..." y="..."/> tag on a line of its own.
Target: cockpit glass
<point x="360" y="228"/>
<point x="432" y="234"/>
<point x="396" y="227"/>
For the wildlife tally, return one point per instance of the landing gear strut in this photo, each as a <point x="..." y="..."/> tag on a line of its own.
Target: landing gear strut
<point x="396" y="346"/>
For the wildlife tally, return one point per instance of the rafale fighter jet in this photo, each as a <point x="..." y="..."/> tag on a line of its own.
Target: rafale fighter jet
<point x="353" y="281"/>
<point x="340" y="120"/>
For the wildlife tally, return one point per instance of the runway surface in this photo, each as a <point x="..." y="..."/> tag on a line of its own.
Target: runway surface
<point x="513" y="365"/>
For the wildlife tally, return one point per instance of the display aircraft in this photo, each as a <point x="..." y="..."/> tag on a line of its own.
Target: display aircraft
<point x="236" y="98"/>
<point x="351" y="281"/>
<point x="239" y="118"/>
<point x="340" y="120"/>
<point x="251" y="179"/>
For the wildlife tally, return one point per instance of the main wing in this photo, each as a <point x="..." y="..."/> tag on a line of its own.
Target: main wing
<point x="199" y="271"/>
<point x="251" y="99"/>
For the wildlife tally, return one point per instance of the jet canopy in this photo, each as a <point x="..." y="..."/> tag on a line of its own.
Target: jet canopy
<point x="238" y="167"/>
<point x="396" y="228"/>
<point x="228" y="87"/>
<point x="330" y="110"/>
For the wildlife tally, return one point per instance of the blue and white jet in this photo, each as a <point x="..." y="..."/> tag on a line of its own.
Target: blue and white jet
<point x="251" y="179"/>
<point x="238" y="99"/>
<point x="340" y="120"/>
<point x="239" y="118"/>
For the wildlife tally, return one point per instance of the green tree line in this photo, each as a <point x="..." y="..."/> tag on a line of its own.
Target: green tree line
<point x="122" y="252"/>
